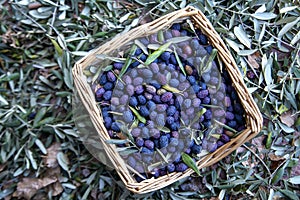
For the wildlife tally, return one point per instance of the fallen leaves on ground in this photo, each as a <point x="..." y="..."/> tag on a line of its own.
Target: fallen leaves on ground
<point x="28" y="187"/>
<point x="276" y="161"/>
<point x="288" y="118"/>
<point x="254" y="60"/>
<point x="50" y="159"/>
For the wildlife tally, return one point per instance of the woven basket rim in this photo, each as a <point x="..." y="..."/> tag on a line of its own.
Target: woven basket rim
<point x="253" y="115"/>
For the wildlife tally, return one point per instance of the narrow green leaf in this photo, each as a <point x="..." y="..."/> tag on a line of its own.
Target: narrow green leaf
<point x="32" y="160"/>
<point x="128" y="61"/>
<point x="164" y="129"/>
<point x="176" y="40"/>
<point x="106" y="57"/>
<point x="267" y="70"/>
<point x="10" y="77"/>
<point x="285" y="128"/>
<point x="40" y="114"/>
<point x="289" y="194"/>
<point x="199" y="114"/>
<point x="136" y="113"/>
<point x="287" y="9"/>
<point x="264" y="16"/>
<point x="278" y="174"/>
<point x="269" y="140"/>
<point x="287" y="27"/>
<point x="57" y="47"/>
<point x="190" y="162"/>
<point x="157" y="53"/>
<point x="116" y="141"/>
<point x="225" y="126"/>
<point x="160" y="36"/>
<point x="179" y="62"/>
<point x="172" y="89"/>
<point x="242" y="36"/>
<point x="296" y="38"/>
<point x="294" y="180"/>
<point x="209" y="62"/>
<point x="142" y="46"/>
<point x="162" y="155"/>
<point x="63" y="161"/>
<point x="125" y="152"/>
<point x="41" y="146"/>
<point x="47" y="120"/>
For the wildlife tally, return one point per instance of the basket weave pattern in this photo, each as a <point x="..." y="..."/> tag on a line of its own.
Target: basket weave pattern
<point x="253" y="115"/>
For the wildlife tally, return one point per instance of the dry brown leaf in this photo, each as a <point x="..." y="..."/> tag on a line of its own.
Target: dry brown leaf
<point x="28" y="187"/>
<point x="50" y="159"/>
<point x="288" y="118"/>
<point x="274" y="157"/>
<point x="275" y="161"/>
<point x="56" y="188"/>
<point x="253" y="60"/>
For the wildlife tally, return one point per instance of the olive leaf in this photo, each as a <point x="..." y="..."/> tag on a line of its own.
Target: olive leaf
<point x="116" y="141"/>
<point x="128" y="61"/>
<point x="190" y="162"/>
<point x="136" y="113"/>
<point x="179" y="62"/>
<point x="157" y="53"/>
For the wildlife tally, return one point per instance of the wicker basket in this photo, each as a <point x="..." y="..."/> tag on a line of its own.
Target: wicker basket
<point x="253" y="115"/>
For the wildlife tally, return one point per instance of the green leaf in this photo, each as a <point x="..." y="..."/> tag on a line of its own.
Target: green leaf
<point x="176" y="40"/>
<point x="294" y="180"/>
<point x="164" y="129"/>
<point x="279" y="174"/>
<point x="128" y="61"/>
<point x="289" y="194"/>
<point x="171" y="89"/>
<point x="287" y="9"/>
<point x="211" y="58"/>
<point x="63" y="161"/>
<point x="10" y="77"/>
<point x="287" y="27"/>
<point x="116" y="141"/>
<point x="47" y="120"/>
<point x="269" y="140"/>
<point x="190" y="162"/>
<point x="285" y="128"/>
<point x="157" y="53"/>
<point x="142" y="46"/>
<point x="282" y="109"/>
<point x="179" y="62"/>
<point x="57" y="47"/>
<point x="160" y="36"/>
<point x="135" y="112"/>
<point x="267" y="70"/>
<point x="127" y="151"/>
<point x="41" y="146"/>
<point x="242" y="36"/>
<point x="225" y="126"/>
<point x="39" y="115"/>
<point x="264" y="16"/>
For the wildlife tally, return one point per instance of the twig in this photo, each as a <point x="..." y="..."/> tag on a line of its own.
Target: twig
<point x="264" y="164"/>
<point x="35" y="22"/>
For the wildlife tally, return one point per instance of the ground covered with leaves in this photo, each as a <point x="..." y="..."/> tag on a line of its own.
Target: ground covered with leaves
<point x="41" y="155"/>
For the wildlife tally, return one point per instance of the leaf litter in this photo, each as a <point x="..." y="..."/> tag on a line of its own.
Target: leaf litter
<point x="26" y="52"/>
